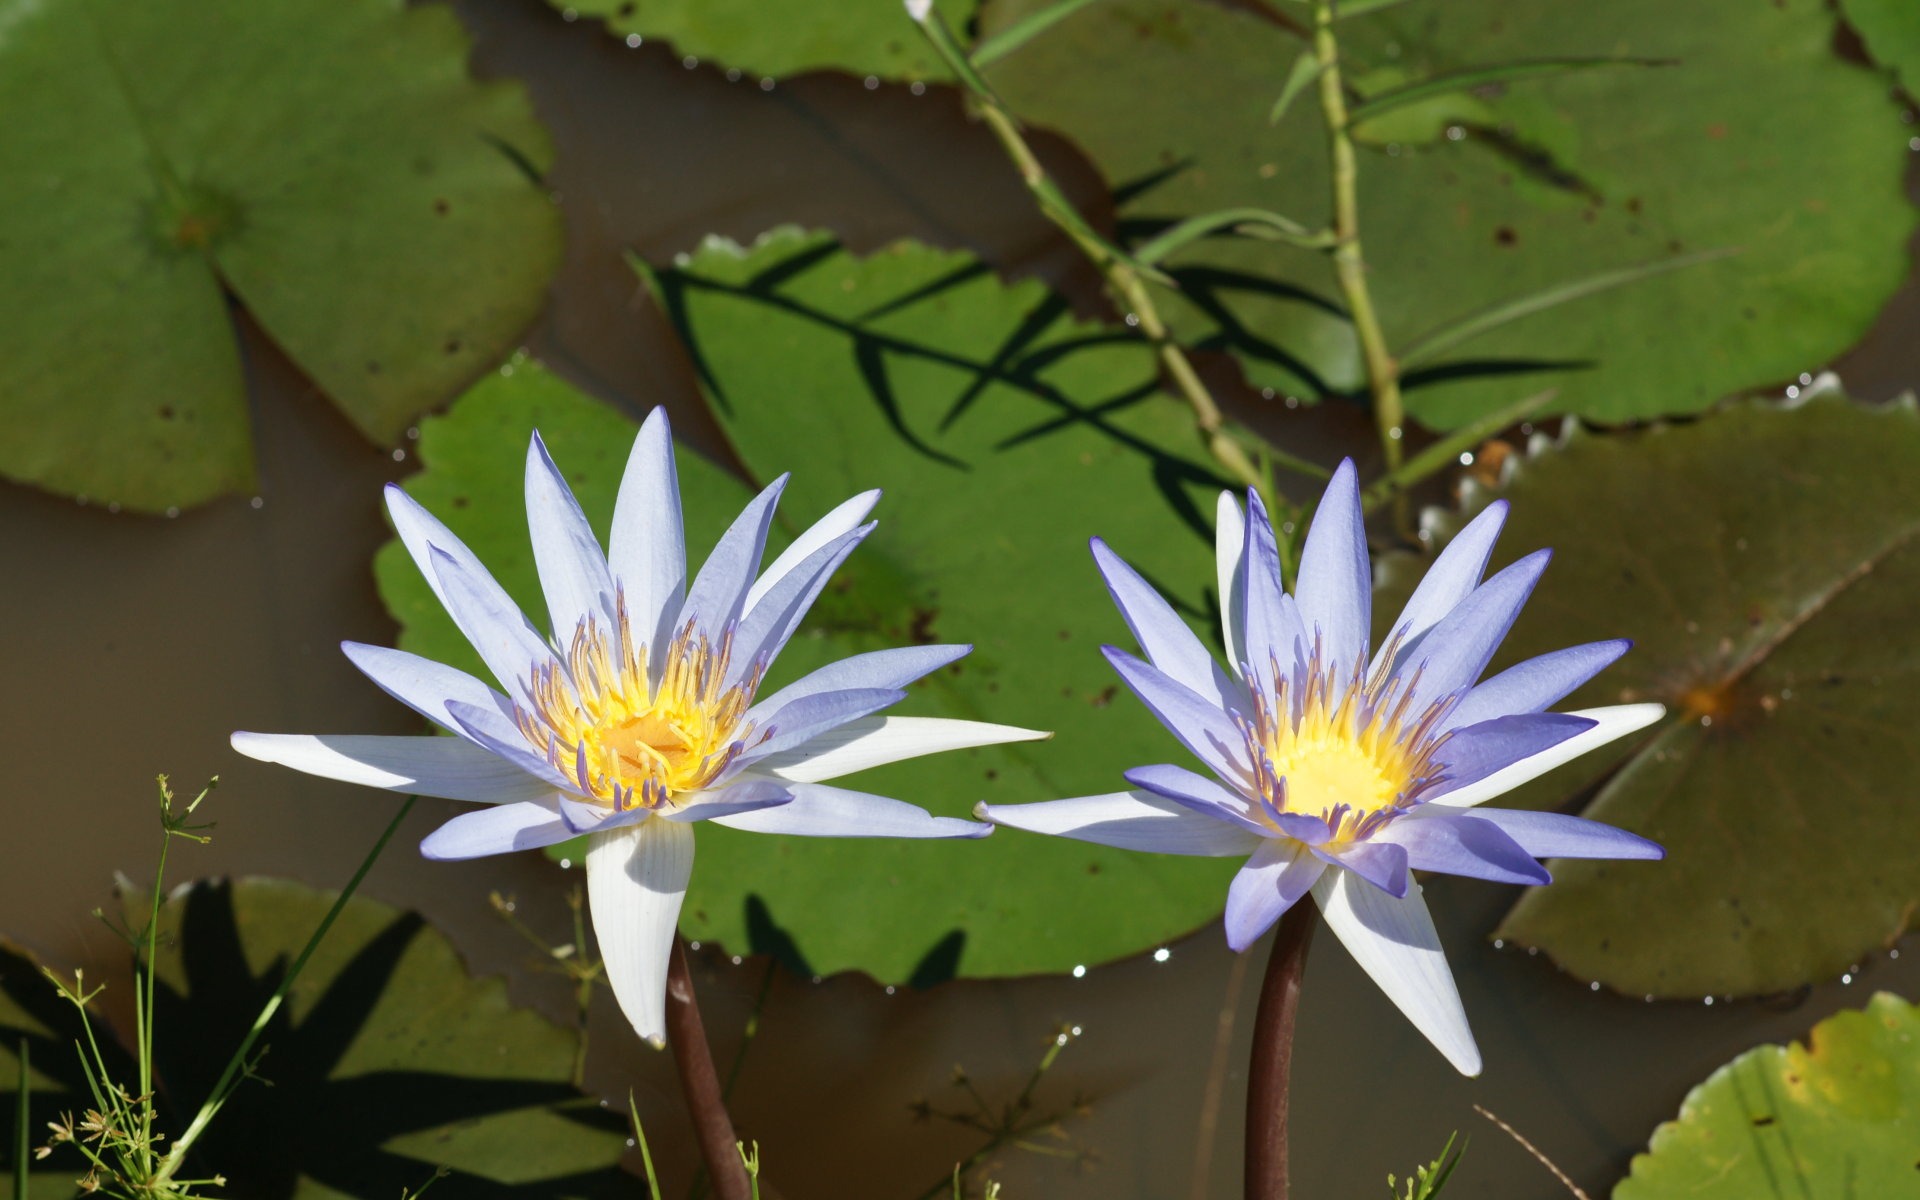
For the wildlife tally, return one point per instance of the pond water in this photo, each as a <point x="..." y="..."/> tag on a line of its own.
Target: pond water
<point x="137" y="644"/>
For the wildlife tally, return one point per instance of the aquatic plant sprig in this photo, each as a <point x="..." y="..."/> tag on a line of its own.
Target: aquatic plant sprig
<point x="1339" y="769"/>
<point x="639" y="714"/>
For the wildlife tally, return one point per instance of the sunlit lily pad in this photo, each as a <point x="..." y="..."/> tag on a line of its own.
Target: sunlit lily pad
<point x="327" y="165"/>
<point x="1838" y="1116"/>
<point x="777" y="38"/>
<point x="1760" y="138"/>
<point x="1891" y="30"/>
<point x="1005" y="434"/>
<point x="387" y="1060"/>
<point x="1766" y="561"/>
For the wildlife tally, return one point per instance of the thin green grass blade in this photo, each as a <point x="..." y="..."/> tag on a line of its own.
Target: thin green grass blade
<point x="1304" y="71"/>
<point x="1024" y="30"/>
<point x="1436" y="457"/>
<point x="1254" y="222"/>
<point x="1473" y="77"/>
<point x="1435" y="342"/>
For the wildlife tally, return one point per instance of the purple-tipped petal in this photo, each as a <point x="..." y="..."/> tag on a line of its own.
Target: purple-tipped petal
<point x="1534" y="685"/>
<point x="1137" y="820"/>
<point x="506" y="641"/>
<point x="1169" y="644"/>
<point x="1335" y="585"/>
<point x="719" y="592"/>
<point x="1558" y="835"/>
<point x="497" y="830"/>
<point x="1229" y="551"/>
<point x="1382" y="864"/>
<point x="801" y="721"/>
<point x="894" y="668"/>
<point x="1201" y="727"/>
<point x="1451" y="578"/>
<point x="1608" y="723"/>
<point x="1456" y="651"/>
<point x="420" y="683"/>
<point x="423" y="766"/>
<point x="843" y="520"/>
<point x="821" y="811"/>
<point x="573" y="571"/>
<point x="1444" y="840"/>
<point x="1275" y="878"/>
<point x="744" y="796"/>
<point x="764" y="631"/>
<point x="1273" y="630"/>
<point x="1205" y="796"/>
<point x="647" y="550"/>
<point x="1478" y="751"/>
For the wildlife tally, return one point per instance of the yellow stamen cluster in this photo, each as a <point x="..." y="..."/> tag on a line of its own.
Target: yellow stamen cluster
<point x="1336" y="744"/>
<point x="630" y="741"/>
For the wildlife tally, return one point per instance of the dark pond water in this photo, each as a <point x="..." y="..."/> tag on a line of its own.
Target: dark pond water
<point x="135" y="645"/>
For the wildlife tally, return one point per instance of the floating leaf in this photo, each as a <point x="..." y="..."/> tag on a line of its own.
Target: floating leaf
<point x="1005" y="433"/>
<point x="1564" y="178"/>
<point x="777" y="38"/>
<point x="326" y="164"/>
<point x="1766" y="562"/>
<point x="1891" y="29"/>
<point x="1839" y="1116"/>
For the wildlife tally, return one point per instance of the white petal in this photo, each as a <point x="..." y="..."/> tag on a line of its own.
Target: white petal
<point x="1229" y="546"/>
<point x="506" y="641"/>
<point x="1394" y="942"/>
<point x="817" y="810"/>
<point x="500" y="829"/>
<point x="423" y="766"/>
<point x="1136" y="820"/>
<point x="1612" y="722"/>
<point x="636" y="879"/>
<point x="875" y="741"/>
<point x="840" y="521"/>
<point x="573" y="571"/>
<point x="647" y="549"/>
<point x="421" y="684"/>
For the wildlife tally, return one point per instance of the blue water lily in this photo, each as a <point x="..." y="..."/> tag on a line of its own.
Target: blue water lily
<point x="1338" y="769"/>
<point x="641" y="714"/>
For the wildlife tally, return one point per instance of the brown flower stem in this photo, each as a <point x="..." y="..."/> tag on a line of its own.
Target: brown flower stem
<point x="700" y="1083"/>
<point x="1271" y="1062"/>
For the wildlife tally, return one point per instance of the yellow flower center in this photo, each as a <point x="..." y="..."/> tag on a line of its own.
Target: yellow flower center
<point x="628" y="740"/>
<point x="1340" y="745"/>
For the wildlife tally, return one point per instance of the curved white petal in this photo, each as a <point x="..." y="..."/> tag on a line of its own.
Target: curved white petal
<point x="424" y="766"/>
<point x="506" y="641"/>
<point x="636" y="879"/>
<point x="1136" y="820"/>
<point x="821" y="811"/>
<point x="719" y="589"/>
<point x="1615" y="721"/>
<point x="841" y="521"/>
<point x="573" y="571"/>
<point x="763" y="632"/>
<point x="875" y="741"/>
<point x="1394" y="942"/>
<point x="501" y="829"/>
<point x="647" y="548"/>
<point x="1229" y="545"/>
<point x="421" y="684"/>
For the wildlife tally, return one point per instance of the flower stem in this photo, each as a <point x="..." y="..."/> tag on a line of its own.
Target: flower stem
<point x="1272" y="1059"/>
<point x="1349" y="263"/>
<point x="700" y="1083"/>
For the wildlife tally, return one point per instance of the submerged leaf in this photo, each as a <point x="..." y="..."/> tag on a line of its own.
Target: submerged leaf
<point x="325" y="164"/>
<point x="1534" y="185"/>
<point x="1766" y="562"/>
<point x="1838" y="1116"/>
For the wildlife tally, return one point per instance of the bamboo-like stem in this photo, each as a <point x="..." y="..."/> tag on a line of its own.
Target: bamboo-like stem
<point x="700" y="1083"/>
<point x="1349" y="262"/>
<point x="1271" y="1062"/>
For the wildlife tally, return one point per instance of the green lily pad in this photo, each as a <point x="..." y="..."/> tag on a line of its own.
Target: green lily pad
<point x="386" y="1061"/>
<point x="1005" y="434"/>
<point x="1839" y="1116"/>
<point x="325" y="164"/>
<point x="1891" y="30"/>
<point x="1759" y="139"/>
<point x="1766" y="561"/>
<point x="777" y="38"/>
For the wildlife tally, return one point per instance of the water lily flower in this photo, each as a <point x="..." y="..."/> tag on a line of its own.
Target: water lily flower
<point x="641" y="714"/>
<point x="1339" y="769"/>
